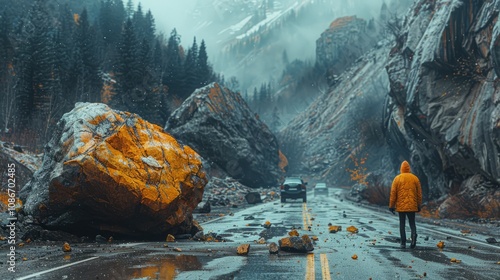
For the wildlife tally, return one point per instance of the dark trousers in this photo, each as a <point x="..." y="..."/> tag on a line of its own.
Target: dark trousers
<point x="402" y="222"/>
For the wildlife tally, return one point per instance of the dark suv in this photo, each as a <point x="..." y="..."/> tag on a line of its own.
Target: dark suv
<point x="294" y="188"/>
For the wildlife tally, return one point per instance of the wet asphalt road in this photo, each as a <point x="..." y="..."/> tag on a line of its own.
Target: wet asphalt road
<point x="376" y="245"/>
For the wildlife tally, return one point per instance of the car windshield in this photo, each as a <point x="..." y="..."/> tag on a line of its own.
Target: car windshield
<point x="292" y="181"/>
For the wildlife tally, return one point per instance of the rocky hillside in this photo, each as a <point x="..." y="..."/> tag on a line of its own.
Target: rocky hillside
<point x="341" y="132"/>
<point x="438" y="101"/>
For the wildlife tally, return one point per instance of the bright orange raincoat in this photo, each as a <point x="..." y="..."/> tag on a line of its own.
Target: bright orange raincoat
<point x="406" y="193"/>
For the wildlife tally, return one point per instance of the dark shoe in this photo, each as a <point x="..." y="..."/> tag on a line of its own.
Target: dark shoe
<point x="413" y="241"/>
<point x="402" y="246"/>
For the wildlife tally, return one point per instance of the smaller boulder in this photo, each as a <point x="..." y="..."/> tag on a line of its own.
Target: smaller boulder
<point x="273" y="248"/>
<point x="334" y="229"/>
<point x="100" y="239"/>
<point x="296" y="244"/>
<point x="243" y="249"/>
<point x="253" y="198"/>
<point x="170" y="238"/>
<point x="66" y="248"/>
<point x="352" y="229"/>
<point x="491" y="240"/>
<point x="203" y="207"/>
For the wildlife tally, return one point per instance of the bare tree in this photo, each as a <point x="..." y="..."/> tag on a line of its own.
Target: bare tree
<point x="7" y="99"/>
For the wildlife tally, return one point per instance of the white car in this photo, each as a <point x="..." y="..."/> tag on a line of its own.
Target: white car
<point x="320" y="189"/>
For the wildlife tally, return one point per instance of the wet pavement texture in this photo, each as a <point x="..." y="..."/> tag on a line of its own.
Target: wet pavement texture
<point x="376" y="246"/>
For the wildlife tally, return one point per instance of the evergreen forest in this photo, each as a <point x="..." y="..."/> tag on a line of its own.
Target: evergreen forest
<point x="54" y="53"/>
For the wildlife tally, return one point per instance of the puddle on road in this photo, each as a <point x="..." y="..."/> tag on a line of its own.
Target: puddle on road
<point x="159" y="267"/>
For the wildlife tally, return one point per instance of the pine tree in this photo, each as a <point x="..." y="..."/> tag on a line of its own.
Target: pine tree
<point x="128" y="75"/>
<point x="255" y="99"/>
<point x="276" y="120"/>
<point x="174" y="73"/>
<point x="129" y="10"/>
<point x="86" y="67"/>
<point x="65" y="49"/>
<point x="204" y="70"/>
<point x="7" y="75"/>
<point x="39" y="86"/>
<point x="190" y="70"/>
<point x="149" y="27"/>
<point x="111" y="18"/>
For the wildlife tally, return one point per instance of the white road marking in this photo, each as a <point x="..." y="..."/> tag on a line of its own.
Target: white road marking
<point x="463" y="238"/>
<point x="436" y="231"/>
<point x="55" y="268"/>
<point x="130" y="244"/>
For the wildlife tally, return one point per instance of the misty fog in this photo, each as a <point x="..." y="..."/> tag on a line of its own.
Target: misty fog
<point x="224" y="23"/>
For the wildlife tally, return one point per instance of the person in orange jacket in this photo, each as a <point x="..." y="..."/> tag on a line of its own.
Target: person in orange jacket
<point x="406" y="199"/>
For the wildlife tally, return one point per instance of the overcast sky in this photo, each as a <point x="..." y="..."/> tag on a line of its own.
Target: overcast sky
<point x="170" y="14"/>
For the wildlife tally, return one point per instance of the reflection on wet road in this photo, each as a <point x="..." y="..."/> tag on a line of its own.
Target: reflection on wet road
<point x="373" y="252"/>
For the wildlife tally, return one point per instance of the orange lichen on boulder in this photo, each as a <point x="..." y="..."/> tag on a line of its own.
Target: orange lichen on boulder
<point x="342" y="21"/>
<point x="293" y="232"/>
<point x="4" y="202"/>
<point x="440" y="244"/>
<point x="218" y="102"/>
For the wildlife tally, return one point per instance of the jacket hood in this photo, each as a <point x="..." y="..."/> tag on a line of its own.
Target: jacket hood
<point x="405" y="167"/>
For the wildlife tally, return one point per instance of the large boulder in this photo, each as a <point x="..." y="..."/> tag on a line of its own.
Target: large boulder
<point x="220" y="126"/>
<point x="111" y="171"/>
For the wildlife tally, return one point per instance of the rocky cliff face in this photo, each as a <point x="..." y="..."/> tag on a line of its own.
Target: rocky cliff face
<point x="218" y="124"/>
<point x="445" y="113"/>
<point x="111" y="171"/>
<point x="441" y="112"/>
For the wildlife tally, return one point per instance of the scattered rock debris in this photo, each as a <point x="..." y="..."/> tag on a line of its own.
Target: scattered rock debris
<point x="66" y="248"/>
<point x="352" y="229"/>
<point x="273" y="248"/>
<point x="267" y="224"/>
<point x="170" y="238"/>
<point x="261" y="240"/>
<point x="334" y="229"/>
